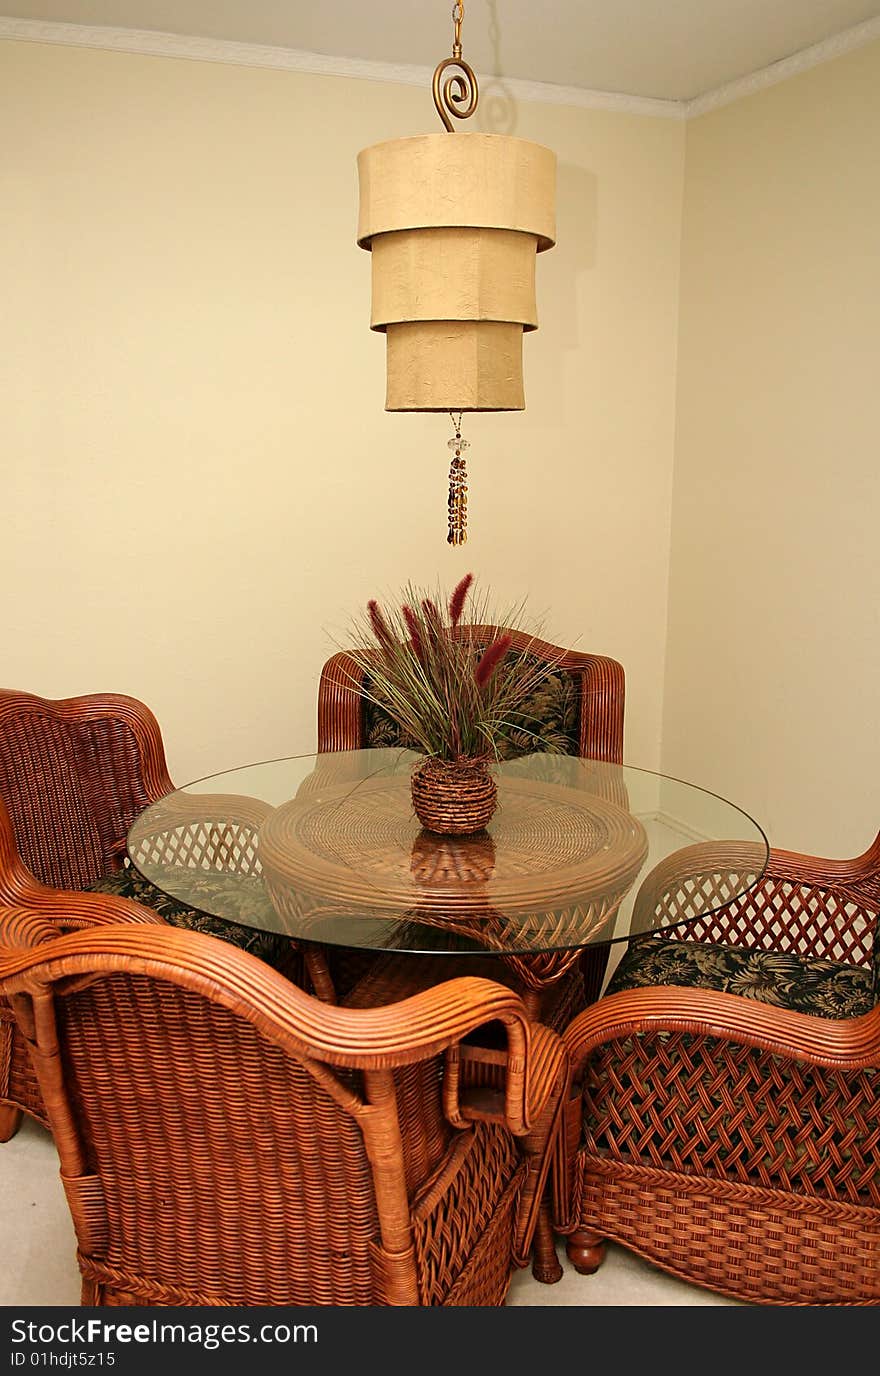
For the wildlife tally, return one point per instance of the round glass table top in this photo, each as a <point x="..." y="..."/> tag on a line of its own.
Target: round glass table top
<point x="326" y="848"/>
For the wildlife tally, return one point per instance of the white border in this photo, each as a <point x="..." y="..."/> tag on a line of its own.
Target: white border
<point x="155" y="44"/>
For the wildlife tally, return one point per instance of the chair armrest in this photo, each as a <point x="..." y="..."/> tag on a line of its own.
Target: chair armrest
<point x="845" y="1044"/>
<point x="71" y="910"/>
<point x="22" y="929"/>
<point x="425" y="1025"/>
<point x="476" y="1079"/>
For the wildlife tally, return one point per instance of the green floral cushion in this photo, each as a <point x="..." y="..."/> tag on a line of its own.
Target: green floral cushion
<point x="549" y="719"/>
<point x="825" y="988"/>
<point x="238" y="892"/>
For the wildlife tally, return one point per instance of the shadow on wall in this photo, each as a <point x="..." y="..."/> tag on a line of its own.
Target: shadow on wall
<point x="497" y="106"/>
<point x="577" y="201"/>
<point x="577" y="196"/>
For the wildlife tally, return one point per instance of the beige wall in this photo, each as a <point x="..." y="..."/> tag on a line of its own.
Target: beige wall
<point x="774" y="635"/>
<point x="200" y="483"/>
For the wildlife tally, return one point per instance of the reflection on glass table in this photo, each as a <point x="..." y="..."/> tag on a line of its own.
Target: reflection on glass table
<point x="326" y="848"/>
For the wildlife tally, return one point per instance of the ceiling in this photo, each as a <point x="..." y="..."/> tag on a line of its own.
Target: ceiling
<point x="676" y="50"/>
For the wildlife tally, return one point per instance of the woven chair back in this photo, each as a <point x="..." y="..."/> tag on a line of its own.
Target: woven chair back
<point x="74" y="774"/>
<point x="226" y="1169"/>
<point x="833" y="913"/>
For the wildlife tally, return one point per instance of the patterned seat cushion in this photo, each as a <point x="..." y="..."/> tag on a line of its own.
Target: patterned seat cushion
<point x="825" y="988"/>
<point x="548" y="719"/>
<point x="240" y="892"/>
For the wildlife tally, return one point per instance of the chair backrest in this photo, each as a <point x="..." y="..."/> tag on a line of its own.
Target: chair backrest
<point x="831" y="907"/>
<point x="578" y="708"/>
<point x="74" y="773"/>
<point x="226" y="1138"/>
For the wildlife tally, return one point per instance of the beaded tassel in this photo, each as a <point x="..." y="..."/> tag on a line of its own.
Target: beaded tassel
<point x="457" y="487"/>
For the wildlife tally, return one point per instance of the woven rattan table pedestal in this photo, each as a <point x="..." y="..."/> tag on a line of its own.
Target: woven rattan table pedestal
<point x="541" y="882"/>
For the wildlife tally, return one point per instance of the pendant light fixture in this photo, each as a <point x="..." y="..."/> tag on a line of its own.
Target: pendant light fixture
<point x="453" y="225"/>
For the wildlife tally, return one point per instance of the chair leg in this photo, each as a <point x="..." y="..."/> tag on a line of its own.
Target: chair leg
<point x="585" y="1251"/>
<point x="10" y="1121"/>
<point x="545" y="1262"/>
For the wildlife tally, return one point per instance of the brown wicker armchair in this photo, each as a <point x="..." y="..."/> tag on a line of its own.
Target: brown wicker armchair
<point x="580" y="707"/>
<point x="74" y="774"/>
<point x="236" y="1141"/>
<point x="728" y="1120"/>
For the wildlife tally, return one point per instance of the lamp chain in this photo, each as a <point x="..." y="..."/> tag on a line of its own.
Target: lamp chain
<point x="457" y="17"/>
<point x="457" y="486"/>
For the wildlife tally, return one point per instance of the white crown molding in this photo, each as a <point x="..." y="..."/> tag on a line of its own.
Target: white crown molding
<point x="829" y="48"/>
<point x="613" y="101"/>
<point x="151" y="43"/>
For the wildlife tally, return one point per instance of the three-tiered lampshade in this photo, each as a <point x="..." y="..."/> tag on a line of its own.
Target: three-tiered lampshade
<point x="454" y="224"/>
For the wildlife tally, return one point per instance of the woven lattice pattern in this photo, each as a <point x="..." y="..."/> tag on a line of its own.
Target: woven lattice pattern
<point x="810" y="921"/>
<point x="701" y="1105"/>
<point x="222" y="845"/>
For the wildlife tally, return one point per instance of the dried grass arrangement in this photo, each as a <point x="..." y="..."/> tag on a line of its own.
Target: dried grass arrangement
<point x="452" y="694"/>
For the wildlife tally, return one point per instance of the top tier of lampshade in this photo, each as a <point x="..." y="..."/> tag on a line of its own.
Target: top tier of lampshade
<point x="454" y="223"/>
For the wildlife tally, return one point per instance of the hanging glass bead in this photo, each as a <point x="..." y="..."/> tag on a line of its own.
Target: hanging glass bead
<point x="457" y="504"/>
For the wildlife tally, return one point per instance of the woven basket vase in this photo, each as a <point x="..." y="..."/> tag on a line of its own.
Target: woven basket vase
<point x="454" y="797"/>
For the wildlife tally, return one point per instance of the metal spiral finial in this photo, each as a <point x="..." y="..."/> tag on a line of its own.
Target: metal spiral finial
<point x="458" y="94"/>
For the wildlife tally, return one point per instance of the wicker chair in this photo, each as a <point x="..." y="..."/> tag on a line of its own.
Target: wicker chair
<point x="236" y="1141"/>
<point x="581" y="704"/>
<point x="727" y="1125"/>
<point x="579" y="708"/>
<point x="62" y="912"/>
<point x="74" y="774"/>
